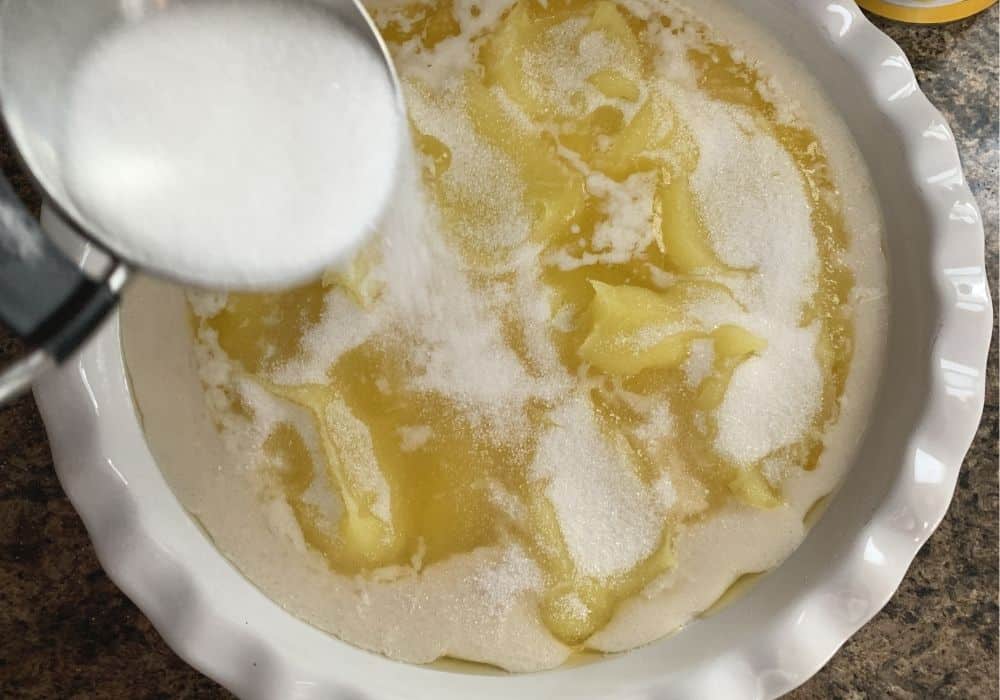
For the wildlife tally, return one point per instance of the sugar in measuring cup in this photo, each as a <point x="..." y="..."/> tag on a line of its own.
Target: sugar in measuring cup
<point x="233" y="145"/>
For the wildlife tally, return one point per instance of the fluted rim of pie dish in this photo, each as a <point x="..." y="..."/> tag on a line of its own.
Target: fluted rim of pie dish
<point x="92" y="426"/>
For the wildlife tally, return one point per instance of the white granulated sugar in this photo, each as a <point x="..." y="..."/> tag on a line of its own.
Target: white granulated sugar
<point x="675" y="67"/>
<point x="754" y="205"/>
<point x="205" y="304"/>
<point x="462" y="353"/>
<point x="504" y="583"/>
<point x="608" y="518"/>
<point x="786" y="111"/>
<point x="557" y="73"/>
<point x="391" y="12"/>
<point x="214" y="367"/>
<point x="660" y="277"/>
<point x="560" y="67"/>
<point x="513" y="110"/>
<point x="776" y="469"/>
<point x="657" y="429"/>
<point x="698" y="364"/>
<point x="535" y="307"/>
<point x="343" y="326"/>
<point x="323" y="497"/>
<point x="469" y="361"/>
<point x="355" y="454"/>
<point x="458" y="349"/>
<point x="407" y="256"/>
<point x="248" y="437"/>
<point x="475" y="16"/>
<point x="512" y="506"/>
<point x="564" y="320"/>
<point x="772" y="398"/>
<point x="650" y="336"/>
<point x="413" y="437"/>
<point x="456" y="346"/>
<point x="249" y="143"/>
<point x="281" y="522"/>
<point x="670" y="60"/>
<point x="665" y="492"/>
<point x="713" y="310"/>
<point x="565" y="261"/>
<point x="573" y="607"/>
<point x="652" y="406"/>
<point x="641" y="9"/>
<point x="479" y="175"/>
<point x="435" y="67"/>
<point x="629" y="226"/>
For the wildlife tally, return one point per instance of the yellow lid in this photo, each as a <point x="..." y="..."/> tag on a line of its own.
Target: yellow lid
<point x="926" y="11"/>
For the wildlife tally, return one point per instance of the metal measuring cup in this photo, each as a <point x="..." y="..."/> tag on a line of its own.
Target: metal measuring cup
<point x="48" y="298"/>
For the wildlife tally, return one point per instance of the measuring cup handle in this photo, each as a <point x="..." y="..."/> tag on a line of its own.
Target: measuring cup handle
<point x="45" y="298"/>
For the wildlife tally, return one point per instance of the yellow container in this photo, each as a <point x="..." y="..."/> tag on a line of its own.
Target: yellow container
<point x="926" y="11"/>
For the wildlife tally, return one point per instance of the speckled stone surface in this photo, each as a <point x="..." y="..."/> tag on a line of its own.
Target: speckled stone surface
<point x="67" y="632"/>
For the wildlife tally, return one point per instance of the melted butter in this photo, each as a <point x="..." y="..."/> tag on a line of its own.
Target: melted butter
<point x="433" y="498"/>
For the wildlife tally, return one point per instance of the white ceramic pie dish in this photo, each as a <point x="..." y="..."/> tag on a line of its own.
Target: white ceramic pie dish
<point x="929" y="403"/>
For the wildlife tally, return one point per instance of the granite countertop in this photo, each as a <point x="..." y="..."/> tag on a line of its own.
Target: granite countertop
<point x="67" y="632"/>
